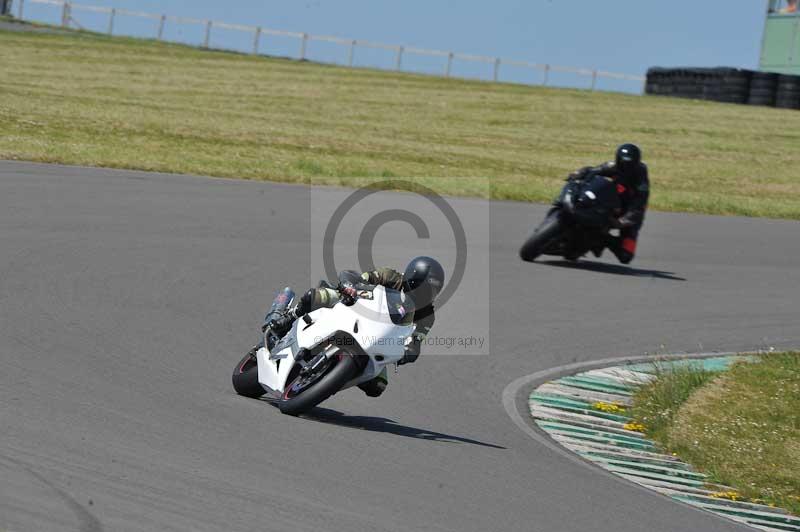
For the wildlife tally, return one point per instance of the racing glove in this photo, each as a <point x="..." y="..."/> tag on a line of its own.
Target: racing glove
<point x="579" y="175"/>
<point x="348" y="294"/>
<point x="282" y="324"/>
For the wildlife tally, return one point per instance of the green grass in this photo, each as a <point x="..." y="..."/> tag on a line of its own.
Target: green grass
<point x="656" y="404"/>
<point x="742" y="428"/>
<point x="88" y="99"/>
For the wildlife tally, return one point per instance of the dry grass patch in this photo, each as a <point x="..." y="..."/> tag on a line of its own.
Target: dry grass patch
<point x="92" y="100"/>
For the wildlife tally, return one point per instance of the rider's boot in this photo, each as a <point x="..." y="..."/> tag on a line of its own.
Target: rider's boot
<point x="375" y="387"/>
<point x="615" y="244"/>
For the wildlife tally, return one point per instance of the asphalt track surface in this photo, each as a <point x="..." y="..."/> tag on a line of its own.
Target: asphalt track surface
<point x="126" y="298"/>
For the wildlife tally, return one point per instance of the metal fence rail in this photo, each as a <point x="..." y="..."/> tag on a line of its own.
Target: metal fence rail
<point x="67" y="19"/>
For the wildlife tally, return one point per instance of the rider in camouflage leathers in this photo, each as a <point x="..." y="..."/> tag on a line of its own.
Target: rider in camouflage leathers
<point x="423" y="279"/>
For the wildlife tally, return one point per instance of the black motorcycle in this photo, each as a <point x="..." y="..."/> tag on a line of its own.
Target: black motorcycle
<point x="579" y="221"/>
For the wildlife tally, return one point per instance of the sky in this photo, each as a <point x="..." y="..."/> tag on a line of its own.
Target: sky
<point x="625" y="36"/>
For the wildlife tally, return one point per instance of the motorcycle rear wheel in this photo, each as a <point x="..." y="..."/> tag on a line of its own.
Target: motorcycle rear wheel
<point x="343" y="369"/>
<point x="544" y="235"/>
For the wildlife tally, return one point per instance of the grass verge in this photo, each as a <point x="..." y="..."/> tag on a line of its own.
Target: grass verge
<point x="88" y="99"/>
<point x="741" y="427"/>
<point x="656" y="404"/>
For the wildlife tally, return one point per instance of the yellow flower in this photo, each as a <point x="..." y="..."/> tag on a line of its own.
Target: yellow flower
<point x="636" y="427"/>
<point x="730" y="495"/>
<point x="608" y="407"/>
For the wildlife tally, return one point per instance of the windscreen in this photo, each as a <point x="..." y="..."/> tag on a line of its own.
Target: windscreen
<point x="401" y="308"/>
<point x="604" y="191"/>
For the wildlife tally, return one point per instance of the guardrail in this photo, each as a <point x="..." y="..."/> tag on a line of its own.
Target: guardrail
<point x="67" y="19"/>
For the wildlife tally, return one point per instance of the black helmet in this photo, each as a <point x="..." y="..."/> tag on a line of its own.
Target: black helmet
<point x="424" y="278"/>
<point x="629" y="156"/>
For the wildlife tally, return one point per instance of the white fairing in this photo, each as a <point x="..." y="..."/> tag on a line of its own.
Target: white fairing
<point x="368" y="321"/>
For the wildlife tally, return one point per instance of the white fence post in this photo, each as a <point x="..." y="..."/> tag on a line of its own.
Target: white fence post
<point x="303" y="44"/>
<point x="256" y="39"/>
<point x="352" y="52"/>
<point x="65" y="15"/>
<point x="68" y="21"/>
<point x="111" y="20"/>
<point x="208" y="34"/>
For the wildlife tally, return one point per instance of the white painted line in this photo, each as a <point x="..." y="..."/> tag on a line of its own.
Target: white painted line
<point x="657" y="485"/>
<point x="544" y="412"/>
<point x="584" y="395"/>
<point x="586" y="446"/>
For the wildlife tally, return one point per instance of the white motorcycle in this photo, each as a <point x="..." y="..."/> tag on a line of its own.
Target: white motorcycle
<point x="328" y="350"/>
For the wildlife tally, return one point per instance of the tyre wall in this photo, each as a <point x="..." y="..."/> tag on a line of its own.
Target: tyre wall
<point x="730" y="85"/>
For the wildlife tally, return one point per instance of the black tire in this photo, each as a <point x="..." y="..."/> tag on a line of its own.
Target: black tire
<point x="788" y="94"/>
<point x="742" y="85"/>
<point x="690" y="91"/>
<point x="762" y="93"/>
<point x="787" y="90"/>
<point x="766" y="102"/>
<point x="764" y="81"/>
<point x="711" y="94"/>
<point x="788" y="83"/>
<point x="739" y="79"/>
<point x="787" y="103"/>
<point x="541" y="238"/>
<point x="245" y="377"/>
<point x="734" y="93"/>
<point x="780" y="93"/>
<point x="343" y="370"/>
<point x="761" y="96"/>
<point x="764" y="84"/>
<point x="731" y="98"/>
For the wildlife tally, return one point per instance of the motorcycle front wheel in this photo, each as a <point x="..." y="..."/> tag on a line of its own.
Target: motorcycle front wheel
<point x="245" y="377"/>
<point x="544" y="235"/>
<point x="299" y="398"/>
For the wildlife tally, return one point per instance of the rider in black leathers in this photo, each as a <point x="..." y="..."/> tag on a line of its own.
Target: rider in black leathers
<point x="633" y="187"/>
